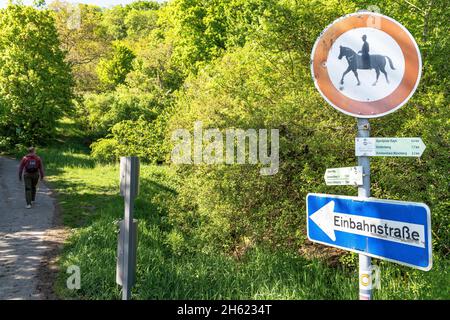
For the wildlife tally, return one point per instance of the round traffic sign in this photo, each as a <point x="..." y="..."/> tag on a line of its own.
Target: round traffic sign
<point x="366" y="65"/>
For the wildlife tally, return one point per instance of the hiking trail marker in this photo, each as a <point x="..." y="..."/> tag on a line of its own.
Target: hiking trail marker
<point x="348" y="176"/>
<point x="389" y="147"/>
<point x="390" y="230"/>
<point x="346" y="63"/>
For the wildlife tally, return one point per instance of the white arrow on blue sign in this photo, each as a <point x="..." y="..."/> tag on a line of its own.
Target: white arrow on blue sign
<point x="391" y="230"/>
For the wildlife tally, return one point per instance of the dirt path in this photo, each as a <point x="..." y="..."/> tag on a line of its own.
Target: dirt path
<point x="26" y="242"/>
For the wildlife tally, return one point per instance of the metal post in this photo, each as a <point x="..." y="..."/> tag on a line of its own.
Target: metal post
<point x="129" y="205"/>
<point x="129" y="189"/>
<point x="365" y="267"/>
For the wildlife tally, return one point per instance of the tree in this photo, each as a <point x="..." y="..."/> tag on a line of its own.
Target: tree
<point x="35" y="82"/>
<point x="197" y="30"/>
<point x="113" y="71"/>
<point x="39" y="3"/>
<point x="140" y="23"/>
<point x="153" y="68"/>
<point x="114" y="22"/>
<point x="85" y="40"/>
<point x="121" y="21"/>
<point x="202" y="31"/>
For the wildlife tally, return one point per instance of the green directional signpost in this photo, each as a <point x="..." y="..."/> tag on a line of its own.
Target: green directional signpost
<point x="341" y="49"/>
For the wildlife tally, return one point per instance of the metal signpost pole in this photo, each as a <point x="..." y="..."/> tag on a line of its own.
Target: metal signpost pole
<point x="365" y="268"/>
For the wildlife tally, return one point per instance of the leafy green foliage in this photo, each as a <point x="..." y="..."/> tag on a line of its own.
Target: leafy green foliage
<point x="267" y="84"/>
<point x="102" y="111"/>
<point x="139" y="22"/>
<point x="153" y="68"/>
<point x="133" y="138"/>
<point x="129" y="20"/>
<point x="84" y="39"/>
<point x="114" y="21"/>
<point x="197" y="29"/>
<point x="114" y="70"/>
<point x="35" y="82"/>
<point x="201" y="31"/>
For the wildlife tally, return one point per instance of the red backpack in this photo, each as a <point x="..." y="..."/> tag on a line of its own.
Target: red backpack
<point x="31" y="165"/>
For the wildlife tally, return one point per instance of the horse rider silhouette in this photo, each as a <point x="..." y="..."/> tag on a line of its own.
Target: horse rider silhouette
<point x="364" y="61"/>
<point x="365" y="54"/>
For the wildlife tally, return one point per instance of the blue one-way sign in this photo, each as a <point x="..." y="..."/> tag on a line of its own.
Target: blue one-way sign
<point x="386" y="229"/>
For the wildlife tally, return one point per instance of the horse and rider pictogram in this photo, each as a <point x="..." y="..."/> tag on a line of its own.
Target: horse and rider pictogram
<point x="370" y="49"/>
<point x="363" y="60"/>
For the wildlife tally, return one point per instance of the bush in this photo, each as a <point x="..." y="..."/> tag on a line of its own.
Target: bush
<point x="105" y="150"/>
<point x="102" y="111"/>
<point x="133" y="138"/>
<point x="127" y="121"/>
<point x="267" y="84"/>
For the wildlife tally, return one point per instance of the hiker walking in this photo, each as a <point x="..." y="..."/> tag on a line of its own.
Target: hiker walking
<point x="32" y="168"/>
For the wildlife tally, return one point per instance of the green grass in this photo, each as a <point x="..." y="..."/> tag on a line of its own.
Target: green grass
<point x="91" y="204"/>
<point x="89" y="196"/>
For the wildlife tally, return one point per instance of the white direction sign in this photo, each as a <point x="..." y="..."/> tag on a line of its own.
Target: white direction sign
<point x="344" y="176"/>
<point x="389" y="147"/>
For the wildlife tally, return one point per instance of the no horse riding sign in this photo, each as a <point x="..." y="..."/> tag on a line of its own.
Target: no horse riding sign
<point x="366" y="65"/>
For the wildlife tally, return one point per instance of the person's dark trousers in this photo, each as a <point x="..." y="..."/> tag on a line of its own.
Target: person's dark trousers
<point x="31" y="180"/>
